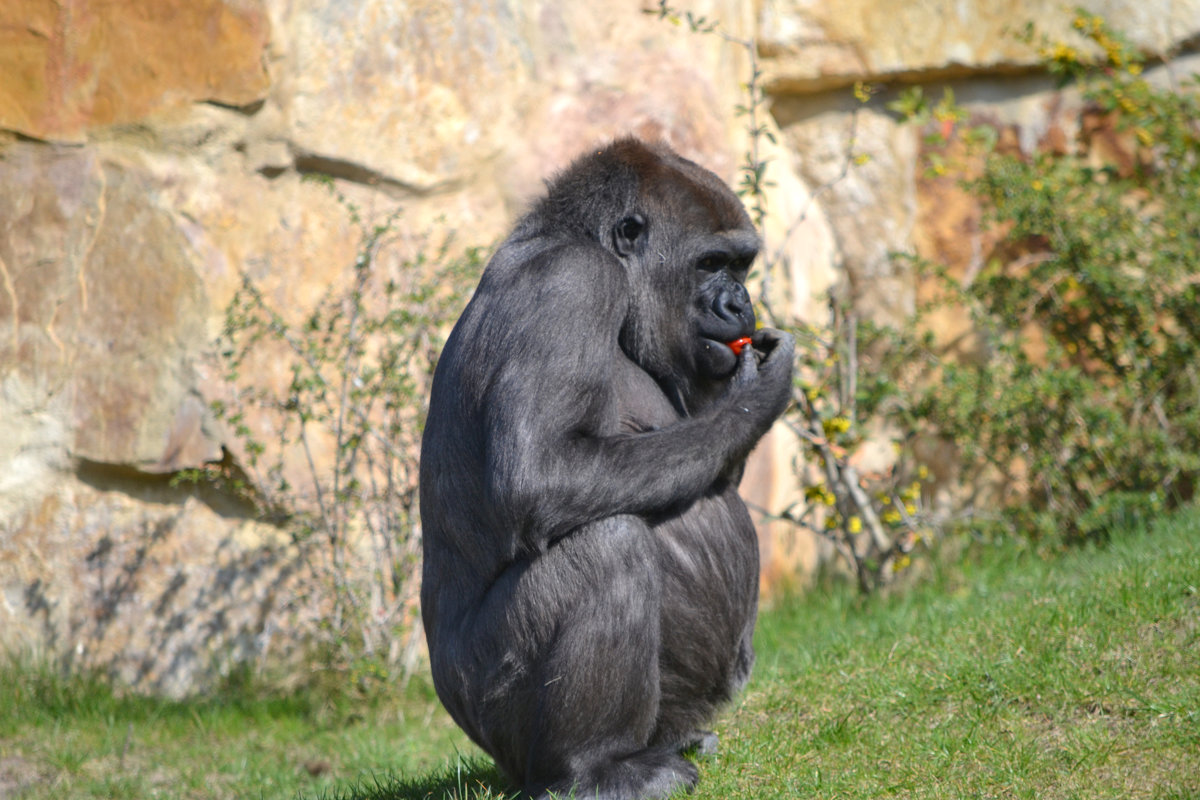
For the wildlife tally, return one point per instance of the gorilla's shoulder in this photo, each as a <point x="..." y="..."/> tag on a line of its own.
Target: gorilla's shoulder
<point x="547" y="260"/>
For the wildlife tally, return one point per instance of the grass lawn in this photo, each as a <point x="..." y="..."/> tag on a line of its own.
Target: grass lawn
<point x="1004" y="676"/>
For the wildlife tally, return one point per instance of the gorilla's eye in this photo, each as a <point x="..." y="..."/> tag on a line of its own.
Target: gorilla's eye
<point x="626" y="234"/>
<point x="631" y="228"/>
<point x="712" y="262"/>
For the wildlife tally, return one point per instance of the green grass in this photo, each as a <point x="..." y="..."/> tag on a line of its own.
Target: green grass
<point x="76" y="739"/>
<point x="1008" y="677"/>
<point x="1003" y="676"/>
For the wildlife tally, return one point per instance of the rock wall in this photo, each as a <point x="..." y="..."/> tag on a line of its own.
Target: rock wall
<point x="151" y="156"/>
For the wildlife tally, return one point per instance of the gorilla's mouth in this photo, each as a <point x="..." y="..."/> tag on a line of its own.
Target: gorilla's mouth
<point x="734" y="346"/>
<point x="725" y="325"/>
<point x="717" y="358"/>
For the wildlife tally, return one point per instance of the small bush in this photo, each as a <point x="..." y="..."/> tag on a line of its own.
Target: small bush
<point x="1085" y="393"/>
<point x="331" y="454"/>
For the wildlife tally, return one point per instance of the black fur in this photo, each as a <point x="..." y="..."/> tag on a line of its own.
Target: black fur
<point x="591" y="576"/>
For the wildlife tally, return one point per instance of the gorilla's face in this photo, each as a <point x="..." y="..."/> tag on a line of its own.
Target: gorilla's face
<point x="688" y="246"/>
<point x="722" y="309"/>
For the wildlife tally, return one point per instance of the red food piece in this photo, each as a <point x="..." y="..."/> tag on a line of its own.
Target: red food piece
<point x="737" y="344"/>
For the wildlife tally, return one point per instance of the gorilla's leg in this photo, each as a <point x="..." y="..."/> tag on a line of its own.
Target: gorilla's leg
<point x="709" y="579"/>
<point x="595" y="684"/>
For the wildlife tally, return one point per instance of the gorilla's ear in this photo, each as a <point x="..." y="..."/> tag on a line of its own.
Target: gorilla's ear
<point x="627" y="234"/>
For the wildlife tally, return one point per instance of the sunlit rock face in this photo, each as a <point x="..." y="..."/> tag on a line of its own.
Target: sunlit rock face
<point x="151" y="155"/>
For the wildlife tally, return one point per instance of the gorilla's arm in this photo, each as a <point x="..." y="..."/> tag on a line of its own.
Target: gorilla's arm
<point x="557" y="458"/>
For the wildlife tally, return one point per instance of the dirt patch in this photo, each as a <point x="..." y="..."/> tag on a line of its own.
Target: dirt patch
<point x="16" y="774"/>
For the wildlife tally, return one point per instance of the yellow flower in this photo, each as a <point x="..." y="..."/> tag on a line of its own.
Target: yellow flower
<point x="1144" y="137"/>
<point x="834" y="425"/>
<point x="819" y="494"/>
<point x="1064" y="52"/>
<point x="1135" y="69"/>
<point x="863" y="91"/>
<point x="1037" y="185"/>
<point x="901" y="563"/>
<point x="910" y="509"/>
<point x="922" y="472"/>
<point x="891" y="516"/>
<point x="862" y="158"/>
<point x="854" y="525"/>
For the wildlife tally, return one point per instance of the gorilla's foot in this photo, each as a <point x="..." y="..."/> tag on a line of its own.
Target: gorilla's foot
<point x="703" y="744"/>
<point x="652" y="773"/>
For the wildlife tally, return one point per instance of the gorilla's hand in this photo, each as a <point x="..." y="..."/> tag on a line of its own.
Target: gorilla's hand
<point x="763" y="382"/>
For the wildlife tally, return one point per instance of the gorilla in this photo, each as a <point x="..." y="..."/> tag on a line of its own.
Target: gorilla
<point x="590" y="577"/>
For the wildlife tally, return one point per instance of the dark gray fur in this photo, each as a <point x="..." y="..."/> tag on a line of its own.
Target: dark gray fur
<point x="591" y="575"/>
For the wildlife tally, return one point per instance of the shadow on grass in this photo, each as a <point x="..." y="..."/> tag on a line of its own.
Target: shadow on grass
<point x="466" y="779"/>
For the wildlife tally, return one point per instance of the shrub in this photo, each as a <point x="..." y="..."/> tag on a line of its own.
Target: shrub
<point x="331" y="454"/>
<point x="1085" y="397"/>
